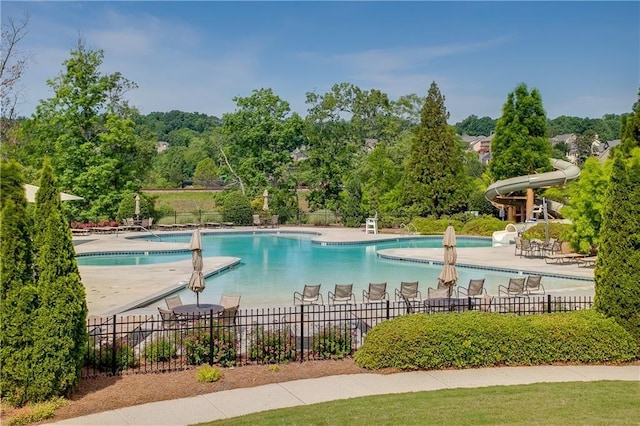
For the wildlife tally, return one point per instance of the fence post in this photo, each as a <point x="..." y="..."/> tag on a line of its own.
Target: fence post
<point x="301" y="332"/>
<point x="114" y="351"/>
<point x="548" y="303"/>
<point x="388" y="303"/>
<point x="200" y="216"/>
<point x="211" y="337"/>
<point x="175" y="217"/>
<point x="469" y="302"/>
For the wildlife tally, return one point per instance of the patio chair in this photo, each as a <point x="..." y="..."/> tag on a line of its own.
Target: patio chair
<point x="515" y="287"/>
<point x="229" y="301"/>
<point x="377" y="293"/>
<point x="530" y="249"/>
<point x="413" y="305"/>
<point x="310" y="295"/>
<point x="256" y="221"/>
<point x="518" y="251"/>
<point x="342" y="293"/>
<point x="552" y="247"/>
<point x="533" y="285"/>
<point x="274" y="221"/>
<point x="408" y="290"/>
<point x="173" y="302"/>
<point x="168" y="318"/>
<point x="475" y="288"/>
<point x="228" y="316"/>
<point x="438" y="293"/>
<point x="442" y="302"/>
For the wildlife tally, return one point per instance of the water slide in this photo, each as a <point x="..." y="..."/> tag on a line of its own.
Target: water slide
<point x="563" y="173"/>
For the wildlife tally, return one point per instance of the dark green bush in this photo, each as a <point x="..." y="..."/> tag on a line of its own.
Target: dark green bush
<point x="483" y="226"/>
<point x="474" y="339"/>
<point x="272" y="346"/>
<point x="559" y="231"/>
<point x="160" y="350"/>
<point x="198" y="344"/>
<point x="236" y="208"/>
<point x="332" y="342"/>
<point x="101" y="357"/>
<point x="433" y="226"/>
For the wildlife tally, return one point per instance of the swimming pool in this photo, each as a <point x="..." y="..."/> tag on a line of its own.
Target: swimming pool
<point x="274" y="265"/>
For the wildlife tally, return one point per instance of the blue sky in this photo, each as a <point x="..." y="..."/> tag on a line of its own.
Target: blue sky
<point x="584" y="57"/>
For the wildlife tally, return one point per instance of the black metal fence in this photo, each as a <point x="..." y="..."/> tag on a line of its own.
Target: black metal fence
<point x="145" y="344"/>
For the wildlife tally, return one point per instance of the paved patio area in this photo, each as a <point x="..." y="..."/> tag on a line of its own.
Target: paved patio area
<point x="117" y="289"/>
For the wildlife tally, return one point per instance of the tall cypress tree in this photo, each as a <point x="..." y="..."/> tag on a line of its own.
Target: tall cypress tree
<point x="617" y="272"/>
<point x="61" y="319"/>
<point x="434" y="180"/>
<point x="520" y="145"/>
<point x="18" y="299"/>
<point x="630" y="137"/>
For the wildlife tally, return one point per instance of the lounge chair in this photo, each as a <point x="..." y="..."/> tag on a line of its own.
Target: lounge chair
<point x="533" y="285"/>
<point x="342" y="293"/>
<point x="229" y="301"/>
<point x="413" y="305"/>
<point x="173" y="302"/>
<point x="377" y="293"/>
<point x="515" y="287"/>
<point x="518" y="251"/>
<point x="408" y="290"/>
<point x="552" y="247"/>
<point x="310" y="295"/>
<point x="168" y="318"/>
<point x="475" y="289"/>
<point x="589" y="261"/>
<point x="228" y="316"/>
<point x="530" y="249"/>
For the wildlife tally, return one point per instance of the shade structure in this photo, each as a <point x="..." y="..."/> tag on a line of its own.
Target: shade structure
<point x="30" y="192"/>
<point x="449" y="275"/>
<point x="196" y="283"/>
<point x="265" y="202"/>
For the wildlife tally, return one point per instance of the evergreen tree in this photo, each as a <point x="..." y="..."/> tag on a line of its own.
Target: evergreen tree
<point x="434" y="181"/>
<point x="61" y="317"/>
<point x="617" y="272"/>
<point x="18" y="299"/>
<point x="520" y="145"/>
<point x="630" y="137"/>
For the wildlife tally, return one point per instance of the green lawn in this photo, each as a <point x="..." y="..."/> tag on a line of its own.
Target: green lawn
<point x="185" y="201"/>
<point x="576" y="403"/>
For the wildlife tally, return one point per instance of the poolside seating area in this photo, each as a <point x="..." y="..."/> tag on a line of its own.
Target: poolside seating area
<point x="273" y="335"/>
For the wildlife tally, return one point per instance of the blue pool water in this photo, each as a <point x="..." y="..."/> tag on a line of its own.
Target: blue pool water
<point x="273" y="266"/>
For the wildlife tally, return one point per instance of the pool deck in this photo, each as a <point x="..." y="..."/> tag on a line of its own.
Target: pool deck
<point x="125" y="288"/>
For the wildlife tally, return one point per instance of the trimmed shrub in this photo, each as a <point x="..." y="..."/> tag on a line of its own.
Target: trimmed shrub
<point x="332" y="342"/>
<point x="474" y="339"/>
<point x="559" y="231"/>
<point x="432" y="226"/>
<point x="208" y="374"/>
<point x="198" y="345"/>
<point x="37" y="412"/>
<point x="160" y="350"/>
<point x="272" y="346"/>
<point x="236" y="208"/>
<point x="483" y="226"/>
<point x="101" y="357"/>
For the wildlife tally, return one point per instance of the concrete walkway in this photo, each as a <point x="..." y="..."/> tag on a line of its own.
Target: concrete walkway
<point x="238" y="402"/>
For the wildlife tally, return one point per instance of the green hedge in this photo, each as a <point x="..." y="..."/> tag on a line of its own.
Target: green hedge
<point x="474" y="339"/>
<point x="483" y="226"/>
<point x="559" y="231"/>
<point x="432" y="226"/>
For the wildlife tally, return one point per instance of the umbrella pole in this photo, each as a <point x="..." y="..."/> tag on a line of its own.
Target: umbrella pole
<point x="197" y="299"/>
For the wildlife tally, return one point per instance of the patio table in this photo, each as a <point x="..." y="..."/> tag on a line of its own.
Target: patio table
<point x="193" y="310"/>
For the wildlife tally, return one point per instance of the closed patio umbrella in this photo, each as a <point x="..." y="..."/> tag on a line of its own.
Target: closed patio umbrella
<point x="449" y="275"/>
<point x="196" y="283"/>
<point x="265" y="203"/>
<point x="137" y="210"/>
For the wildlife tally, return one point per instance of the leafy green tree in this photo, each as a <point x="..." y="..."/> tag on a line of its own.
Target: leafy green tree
<point x="352" y="213"/>
<point x="434" y="181"/>
<point x="207" y="173"/>
<point x="261" y="134"/>
<point x="60" y="323"/>
<point x="617" y="273"/>
<point x="586" y="205"/>
<point x="584" y="143"/>
<point x="18" y="298"/>
<point x="520" y="145"/>
<point x="474" y="126"/>
<point x="88" y="132"/>
<point x="630" y="137"/>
